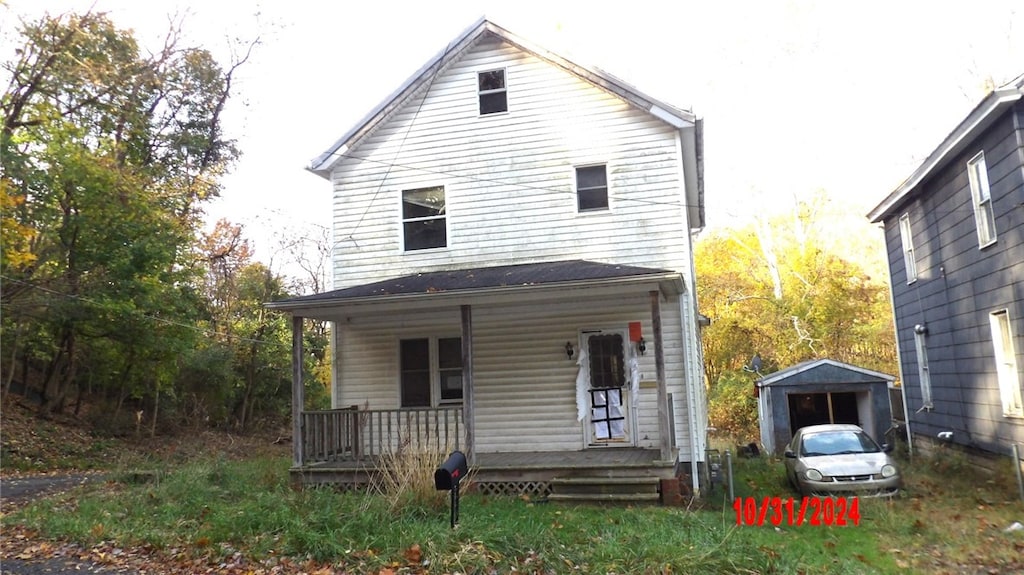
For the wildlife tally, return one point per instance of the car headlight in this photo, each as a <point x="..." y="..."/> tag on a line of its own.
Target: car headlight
<point x="813" y="474"/>
<point x="888" y="470"/>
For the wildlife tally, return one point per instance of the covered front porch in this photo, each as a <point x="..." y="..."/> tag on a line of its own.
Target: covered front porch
<point x="521" y="414"/>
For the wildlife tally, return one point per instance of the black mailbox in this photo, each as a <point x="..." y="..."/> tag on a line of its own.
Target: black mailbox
<point x="451" y="472"/>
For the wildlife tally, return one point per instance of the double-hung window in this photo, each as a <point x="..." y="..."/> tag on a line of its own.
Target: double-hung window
<point x="1006" y="364"/>
<point x="981" y="196"/>
<point x="909" y="261"/>
<point x="923" y="371"/>
<point x="431" y="371"/>
<point x="591" y="188"/>
<point x="492" y="92"/>
<point x="424" y="222"/>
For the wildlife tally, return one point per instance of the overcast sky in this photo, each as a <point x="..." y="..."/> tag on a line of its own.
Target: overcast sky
<point x="848" y="97"/>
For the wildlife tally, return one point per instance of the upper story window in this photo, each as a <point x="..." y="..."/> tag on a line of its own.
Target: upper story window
<point x="591" y="188"/>
<point x="424" y="224"/>
<point x="909" y="261"/>
<point x="1006" y="364"/>
<point x="493" y="95"/>
<point x="977" y="172"/>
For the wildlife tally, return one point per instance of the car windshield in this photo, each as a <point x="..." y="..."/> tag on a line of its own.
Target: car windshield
<point x="838" y="443"/>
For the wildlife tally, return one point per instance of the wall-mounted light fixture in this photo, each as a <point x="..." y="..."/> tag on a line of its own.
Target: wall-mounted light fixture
<point x="569" y="351"/>
<point x="641" y="345"/>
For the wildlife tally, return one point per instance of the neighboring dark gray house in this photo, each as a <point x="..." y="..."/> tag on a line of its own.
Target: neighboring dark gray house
<point x="954" y="231"/>
<point x="821" y="391"/>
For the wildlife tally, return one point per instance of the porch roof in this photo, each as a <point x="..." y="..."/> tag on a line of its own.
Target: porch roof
<point x="479" y="282"/>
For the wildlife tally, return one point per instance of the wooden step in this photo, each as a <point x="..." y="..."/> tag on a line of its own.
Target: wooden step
<point x="605" y="490"/>
<point x="606" y="498"/>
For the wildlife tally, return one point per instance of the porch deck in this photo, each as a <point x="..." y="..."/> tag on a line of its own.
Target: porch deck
<point x="519" y="473"/>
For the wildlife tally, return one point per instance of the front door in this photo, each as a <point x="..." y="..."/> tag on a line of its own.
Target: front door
<point x="608" y="394"/>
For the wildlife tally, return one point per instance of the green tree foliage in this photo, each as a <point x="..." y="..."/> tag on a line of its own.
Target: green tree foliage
<point x="108" y="155"/>
<point x="788" y="289"/>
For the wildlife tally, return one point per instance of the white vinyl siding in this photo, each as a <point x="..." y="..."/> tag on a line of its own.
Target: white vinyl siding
<point x="984" y="217"/>
<point x="509" y="180"/>
<point x="524" y="390"/>
<point x="1006" y="364"/>
<point x="907" y="238"/>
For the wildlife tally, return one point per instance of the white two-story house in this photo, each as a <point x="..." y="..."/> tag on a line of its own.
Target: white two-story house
<point x="514" y="276"/>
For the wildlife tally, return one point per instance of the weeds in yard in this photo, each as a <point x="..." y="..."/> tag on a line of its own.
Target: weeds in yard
<point x="214" y="509"/>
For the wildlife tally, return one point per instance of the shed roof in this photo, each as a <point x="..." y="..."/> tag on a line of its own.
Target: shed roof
<point x="980" y="118"/>
<point x="484" y="279"/>
<point x="821" y="371"/>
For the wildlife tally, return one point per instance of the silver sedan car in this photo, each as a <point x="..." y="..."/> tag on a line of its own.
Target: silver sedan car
<point x="839" y="459"/>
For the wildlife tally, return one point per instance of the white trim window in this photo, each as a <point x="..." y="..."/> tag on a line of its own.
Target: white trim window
<point x="981" y="196"/>
<point x="492" y="91"/>
<point x="430" y="371"/>
<point x="923" y="370"/>
<point x="1006" y="364"/>
<point x="424" y="220"/>
<point x="592" y="188"/>
<point x="909" y="261"/>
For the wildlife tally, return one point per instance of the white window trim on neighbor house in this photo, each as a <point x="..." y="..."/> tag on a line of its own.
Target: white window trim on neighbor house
<point x="437" y="372"/>
<point x="923" y="370"/>
<point x="981" y="198"/>
<point x="909" y="259"/>
<point x="1006" y="364"/>
<point x="407" y="219"/>
<point x="491" y="94"/>
<point x="591" y="190"/>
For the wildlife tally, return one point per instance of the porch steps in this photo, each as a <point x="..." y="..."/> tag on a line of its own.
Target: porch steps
<point x="612" y="490"/>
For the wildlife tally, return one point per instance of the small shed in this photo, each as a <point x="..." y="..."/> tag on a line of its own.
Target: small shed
<point x="821" y="391"/>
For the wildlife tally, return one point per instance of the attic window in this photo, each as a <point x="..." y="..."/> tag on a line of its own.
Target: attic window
<point x="493" y="96"/>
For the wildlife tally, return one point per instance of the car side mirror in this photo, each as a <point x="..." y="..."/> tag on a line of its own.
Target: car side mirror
<point x="887" y="448"/>
<point x="789" y="454"/>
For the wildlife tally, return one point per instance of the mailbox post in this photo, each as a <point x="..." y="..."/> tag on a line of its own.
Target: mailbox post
<point x="448" y="477"/>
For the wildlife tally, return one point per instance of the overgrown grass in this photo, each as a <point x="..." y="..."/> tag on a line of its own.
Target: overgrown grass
<point x="214" y="508"/>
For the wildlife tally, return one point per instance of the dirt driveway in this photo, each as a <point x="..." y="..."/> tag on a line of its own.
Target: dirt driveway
<point x="15" y="557"/>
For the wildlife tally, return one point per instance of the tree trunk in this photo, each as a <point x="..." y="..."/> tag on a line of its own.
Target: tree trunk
<point x="14" y="356"/>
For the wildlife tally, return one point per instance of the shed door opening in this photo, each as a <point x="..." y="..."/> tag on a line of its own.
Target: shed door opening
<point x="817" y="408"/>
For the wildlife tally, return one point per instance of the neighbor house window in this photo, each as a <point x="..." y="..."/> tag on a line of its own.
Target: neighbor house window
<point x="923" y="371"/>
<point x="1006" y="364"/>
<point x="909" y="262"/>
<point x="431" y="371"/>
<point x="493" y="95"/>
<point x="592" y="188"/>
<point x="424" y="222"/>
<point x="977" y="172"/>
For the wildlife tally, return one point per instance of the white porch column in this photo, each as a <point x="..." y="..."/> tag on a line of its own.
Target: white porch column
<point x="467" y="381"/>
<point x="664" y="427"/>
<point x="298" y="392"/>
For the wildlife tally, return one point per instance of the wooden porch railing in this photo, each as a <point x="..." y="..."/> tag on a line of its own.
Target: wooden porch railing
<point x="351" y="434"/>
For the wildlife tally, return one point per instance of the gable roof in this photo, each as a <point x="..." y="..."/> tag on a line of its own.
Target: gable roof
<point x="690" y="127"/>
<point x="473" y="281"/>
<point x="850" y="373"/>
<point x="980" y="118"/>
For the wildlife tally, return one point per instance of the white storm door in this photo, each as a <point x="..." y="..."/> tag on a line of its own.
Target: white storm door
<point x="611" y="421"/>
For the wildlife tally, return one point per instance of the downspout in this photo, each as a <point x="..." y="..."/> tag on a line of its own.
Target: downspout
<point x="899" y="363"/>
<point x="691" y="397"/>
